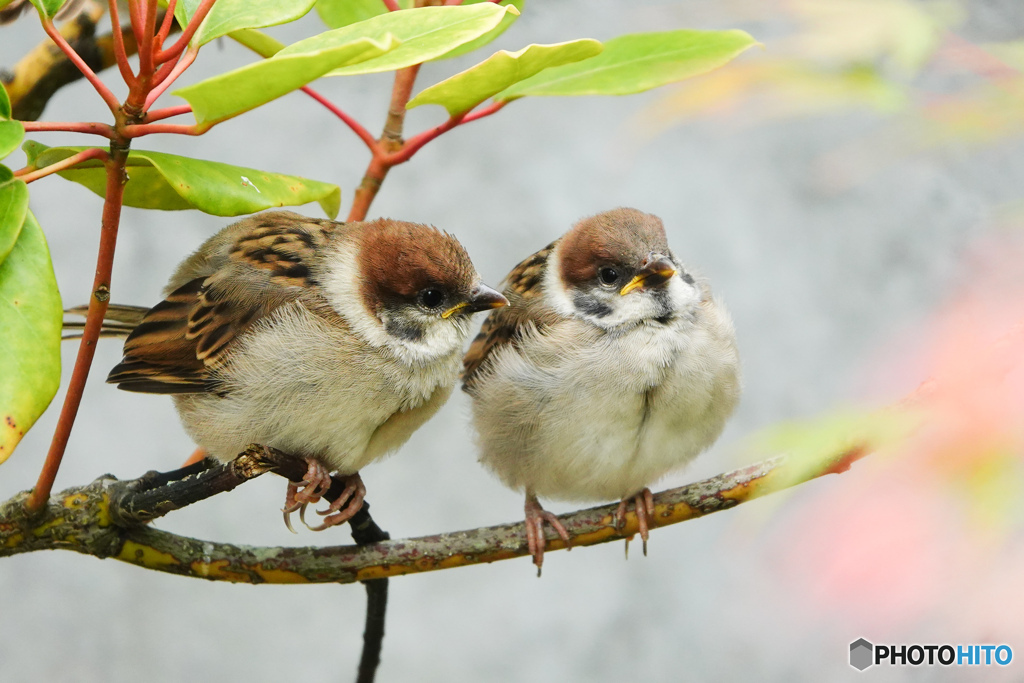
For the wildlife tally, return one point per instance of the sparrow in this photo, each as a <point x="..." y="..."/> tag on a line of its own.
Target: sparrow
<point x="330" y="341"/>
<point x="611" y="366"/>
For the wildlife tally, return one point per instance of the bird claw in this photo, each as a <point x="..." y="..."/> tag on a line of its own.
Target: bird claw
<point x="310" y="490"/>
<point x="344" y="506"/>
<point x="643" y="503"/>
<point x="535" y="540"/>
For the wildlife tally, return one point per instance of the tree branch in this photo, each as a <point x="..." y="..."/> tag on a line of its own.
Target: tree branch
<point x="82" y="519"/>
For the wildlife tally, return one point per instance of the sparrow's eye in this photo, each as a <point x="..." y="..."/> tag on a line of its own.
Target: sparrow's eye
<point x="431" y="297"/>
<point x="608" y="275"/>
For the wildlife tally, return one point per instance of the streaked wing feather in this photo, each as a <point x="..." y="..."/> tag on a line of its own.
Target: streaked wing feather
<point x="183" y="339"/>
<point x="504" y="325"/>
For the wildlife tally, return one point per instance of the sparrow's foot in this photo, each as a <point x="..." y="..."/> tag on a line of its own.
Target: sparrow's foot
<point x="343" y="508"/>
<point x="535" y="518"/>
<point x="643" y="502"/>
<point x="309" y="490"/>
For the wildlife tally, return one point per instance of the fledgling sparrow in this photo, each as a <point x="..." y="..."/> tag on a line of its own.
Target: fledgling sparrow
<point x="610" y="367"/>
<point x="330" y="341"/>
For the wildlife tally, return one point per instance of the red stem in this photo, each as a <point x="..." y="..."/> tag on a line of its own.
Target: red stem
<point x="84" y="155"/>
<point x="135" y="17"/>
<point x="146" y="47"/>
<point x="168" y="74"/>
<point x="167" y="112"/>
<point x="415" y="143"/>
<point x="116" y="179"/>
<point x="69" y="51"/>
<point x="69" y="127"/>
<point x="186" y="33"/>
<point x="165" y="27"/>
<point x="119" y="52"/>
<point x="392" y="5"/>
<point x="356" y="127"/>
<point x="140" y="129"/>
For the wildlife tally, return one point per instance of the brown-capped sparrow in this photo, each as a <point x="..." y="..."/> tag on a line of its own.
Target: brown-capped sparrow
<point x="330" y="341"/>
<point x="611" y="366"/>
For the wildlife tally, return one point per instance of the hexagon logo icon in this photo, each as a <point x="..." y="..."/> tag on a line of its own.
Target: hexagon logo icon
<point x="861" y="654"/>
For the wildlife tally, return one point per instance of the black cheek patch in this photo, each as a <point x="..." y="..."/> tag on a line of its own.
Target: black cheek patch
<point x="665" y="312"/>
<point x="687" y="278"/>
<point x="590" y="305"/>
<point x="403" y="330"/>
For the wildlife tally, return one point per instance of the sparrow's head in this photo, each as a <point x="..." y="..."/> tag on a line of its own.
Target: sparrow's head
<point x="419" y="287"/>
<point x="615" y="269"/>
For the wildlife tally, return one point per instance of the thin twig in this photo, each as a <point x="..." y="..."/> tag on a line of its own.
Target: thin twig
<point x="116" y="180"/>
<point x="92" y="128"/>
<point x="140" y="129"/>
<point x="389" y="143"/>
<point x="169" y="73"/>
<point x="167" y="112"/>
<point x="84" y="155"/>
<point x="166" y="25"/>
<point x="104" y="92"/>
<point x="146" y="48"/>
<point x="186" y="34"/>
<point x="356" y="127"/>
<point x="120" y="54"/>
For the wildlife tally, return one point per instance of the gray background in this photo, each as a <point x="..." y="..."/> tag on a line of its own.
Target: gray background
<point x="818" y="278"/>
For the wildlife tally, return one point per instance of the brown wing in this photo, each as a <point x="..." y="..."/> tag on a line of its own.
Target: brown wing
<point x="504" y="325"/>
<point x="183" y="339"/>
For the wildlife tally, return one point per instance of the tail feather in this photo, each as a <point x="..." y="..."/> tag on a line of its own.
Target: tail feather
<point x="119" y="321"/>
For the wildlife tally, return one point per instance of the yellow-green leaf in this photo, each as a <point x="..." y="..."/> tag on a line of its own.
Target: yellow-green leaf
<point x="637" y="62"/>
<point x="30" y="317"/>
<point x="425" y="33"/>
<point x="13" y="207"/>
<point x="230" y="94"/>
<point x="463" y="91"/>
<point x="231" y="15"/>
<point x="171" y="183"/>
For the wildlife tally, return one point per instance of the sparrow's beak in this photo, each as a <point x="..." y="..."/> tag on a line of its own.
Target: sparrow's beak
<point x="481" y="298"/>
<point x="655" y="270"/>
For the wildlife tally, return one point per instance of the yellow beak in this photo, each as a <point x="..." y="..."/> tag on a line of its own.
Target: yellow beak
<point x="482" y="298"/>
<point x="656" y="270"/>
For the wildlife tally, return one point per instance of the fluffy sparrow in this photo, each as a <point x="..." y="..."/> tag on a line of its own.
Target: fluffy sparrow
<point x="611" y="366"/>
<point x="330" y="341"/>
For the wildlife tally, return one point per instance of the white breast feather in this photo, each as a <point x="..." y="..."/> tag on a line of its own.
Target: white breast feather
<point x="575" y="413"/>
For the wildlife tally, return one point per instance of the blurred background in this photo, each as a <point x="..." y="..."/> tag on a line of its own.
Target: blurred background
<point x="854" y="192"/>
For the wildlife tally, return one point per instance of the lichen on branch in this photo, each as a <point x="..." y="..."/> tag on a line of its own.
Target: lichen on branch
<point x="85" y="519"/>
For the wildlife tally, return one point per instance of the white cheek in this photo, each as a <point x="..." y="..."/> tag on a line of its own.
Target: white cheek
<point x="681" y="294"/>
<point x="341" y="286"/>
<point x="554" y="291"/>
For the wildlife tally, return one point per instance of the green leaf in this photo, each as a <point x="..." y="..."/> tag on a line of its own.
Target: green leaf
<point x="11" y="134"/>
<point x="232" y="15"/>
<point x="425" y="33"/>
<point x="13" y="207"/>
<point x="488" y="37"/>
<point x="637" y="62"/>
<point x="48" y="8"/>
<point x="338" y="13"/>
<point x="172" y="183"/>
<point x="30" y="317"/>
<point x="5" y="103"/>
<point x="222" y="97"/>
<point x="257" y="41"/>
<point x="463" y="91"/>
